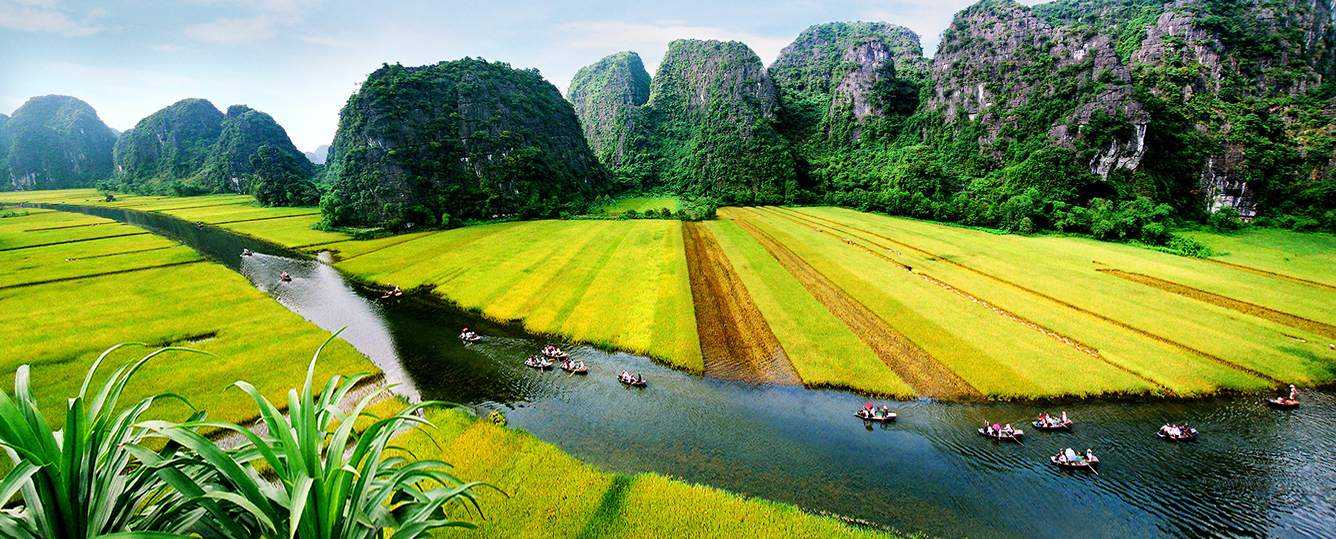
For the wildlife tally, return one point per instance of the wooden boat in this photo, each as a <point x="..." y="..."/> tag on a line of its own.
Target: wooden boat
<point x="632" y="382"/>
<point x="554" y="352"/>
<point x="1185" y="434"/>
<point x="1282" y="403"/>
<point x="575" y="367"/>
<point x="1080" y="463"/>
<point x="535" y="362"/>
<point x="886" y="417"/>
<point x="285" y="277"/>
<point x="1060" y="425"/>
<point x="247" y="252"/>
<point x="999" y="436"/>
<point x="470" y="337"/>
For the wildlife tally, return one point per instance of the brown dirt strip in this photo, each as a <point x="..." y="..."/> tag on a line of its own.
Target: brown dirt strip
<point x="270" y="218"/>
<point x="136" y="251"/>
<point x="997" y="309"/>
<point x="1273" y="274"/>
<point x="912" y="363"/>
<point x="80" y="240"/>
<point x="1251" y="309"/>
<point x="101" y="274"/>
<point x="1018" y="286"/>
<point x="62" y="227"/>
<point x="735" y="340"/>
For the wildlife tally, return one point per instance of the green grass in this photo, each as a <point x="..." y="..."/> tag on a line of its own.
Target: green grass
<point x="555" y="495"/>
<point x="640" y="205"/>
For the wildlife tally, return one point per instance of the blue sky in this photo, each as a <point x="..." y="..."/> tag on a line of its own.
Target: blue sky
<point x="299" y="60"/>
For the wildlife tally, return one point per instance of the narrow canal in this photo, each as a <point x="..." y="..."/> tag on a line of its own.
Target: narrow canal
<point x="1254" y="471"/>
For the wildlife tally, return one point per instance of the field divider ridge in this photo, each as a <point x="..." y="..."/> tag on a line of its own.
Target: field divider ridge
<point x="101" y="274"/>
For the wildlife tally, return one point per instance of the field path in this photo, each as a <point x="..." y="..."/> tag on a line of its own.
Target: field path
<point x="1251" y="309"/>
<point x="1042" y="295"/>
<point x="911" y="362"/>
<point x="735" y="340"/>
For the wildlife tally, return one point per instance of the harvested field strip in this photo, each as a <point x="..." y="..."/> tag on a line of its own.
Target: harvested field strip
<point x="999" y="310"/>
<point x="915" y="366"/>
<point x="1272" y="274"/>
<point x="735" y="340"/>
<point x="80" y="240"/>
<point x="271" y="218"/>
<point x="121" y="253"/>
<point x="62" y="227"/>
<point x="1058" y="301"/>
<point x="100" y="274"/>
<point x="1251" y="309"/>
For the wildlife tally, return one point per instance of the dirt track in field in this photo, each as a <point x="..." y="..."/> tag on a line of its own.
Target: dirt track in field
<point x="912" y="363"/>
<point x="1036" y="293"/>
<point x="735" y="340"/>
<point x="1251" y="309"/>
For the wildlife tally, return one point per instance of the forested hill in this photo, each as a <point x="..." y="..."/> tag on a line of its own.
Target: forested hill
<point x="53" y="142"/>
<point x="707" y="127"/>
<point x="191" y="147"/>
<point x="463" y="139"/>
<point x="1098" y="116"/>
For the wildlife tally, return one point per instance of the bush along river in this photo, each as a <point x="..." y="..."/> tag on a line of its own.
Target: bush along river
<point x="1253" y="471"/>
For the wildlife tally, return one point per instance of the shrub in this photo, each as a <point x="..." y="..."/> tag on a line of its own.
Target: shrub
<point x="1225" y="219"/>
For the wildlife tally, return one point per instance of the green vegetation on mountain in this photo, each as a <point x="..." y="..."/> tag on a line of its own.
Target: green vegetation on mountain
<point x="279" y="177"/>
<point x="192" y="148"/>
<point x="464" y="139"/>
<point x="168" y="146"/>
<point x="53" y="142"/>
<point x="244" y="132"/>
<point x="607" y="96"/>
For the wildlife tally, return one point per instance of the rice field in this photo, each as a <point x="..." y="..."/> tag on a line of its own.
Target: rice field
<point x="1048" y="316"/>
<point x="873" y="303"/>
<point x="621" y="284"/>
<point x="67" y="301"/>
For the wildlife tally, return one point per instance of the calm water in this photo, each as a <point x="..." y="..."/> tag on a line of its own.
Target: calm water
<point x="1254" y="471"/>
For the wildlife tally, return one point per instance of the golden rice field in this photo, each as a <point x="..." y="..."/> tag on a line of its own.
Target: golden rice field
<point x="874" y="303"/>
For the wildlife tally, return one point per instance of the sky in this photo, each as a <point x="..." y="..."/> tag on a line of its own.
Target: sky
<point x="299" y="60"/>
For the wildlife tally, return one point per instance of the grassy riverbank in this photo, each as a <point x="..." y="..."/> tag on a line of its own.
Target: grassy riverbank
<point x="879" y="304"/>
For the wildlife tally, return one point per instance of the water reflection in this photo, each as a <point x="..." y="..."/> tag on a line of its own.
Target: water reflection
<point x="1255" y="471"/>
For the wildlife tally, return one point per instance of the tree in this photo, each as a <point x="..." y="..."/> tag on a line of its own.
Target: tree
<point x="280" y="180"/>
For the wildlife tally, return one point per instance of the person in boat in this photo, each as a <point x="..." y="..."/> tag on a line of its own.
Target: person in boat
<point x="1089" y="455"/>
<point x="1294" y="393"/>
<point x="1008" y="429"/>
<point x="1064" y="416"/>
<point x="995" y="429"/>
<point x="246" y="252"/>
<point x="1045" y="419"/>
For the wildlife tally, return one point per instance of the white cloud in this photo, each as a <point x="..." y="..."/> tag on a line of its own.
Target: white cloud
<point x="232" y="31"/>
<point x="651" y="40"/>
<point x="167" y="47"/>
<point x="43" y="16"/>
<point x="325" y="41"/>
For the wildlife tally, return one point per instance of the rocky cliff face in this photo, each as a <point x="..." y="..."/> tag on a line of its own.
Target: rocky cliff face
<point x="462" y="139"/>
<point x="242" y="133"/>
<point x="1002" y="67"/>
<point x="54" y="142"/>
<point x="318" y="156"/>
<point x="170" y="144"/>
<point x="836" y="77"/>
<point x="606" y="96"/>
